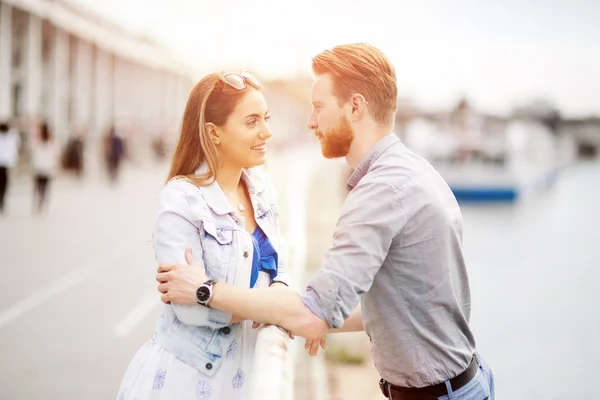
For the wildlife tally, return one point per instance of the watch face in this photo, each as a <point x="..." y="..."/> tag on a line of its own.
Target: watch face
<point x="203" y="294"/>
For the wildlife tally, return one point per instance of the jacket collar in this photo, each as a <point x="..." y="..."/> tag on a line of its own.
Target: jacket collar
<point x="217" y="200"/>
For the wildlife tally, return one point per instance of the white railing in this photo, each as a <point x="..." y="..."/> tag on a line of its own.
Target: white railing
<point x="274" y="365"/>
<point x="276" y="353"/>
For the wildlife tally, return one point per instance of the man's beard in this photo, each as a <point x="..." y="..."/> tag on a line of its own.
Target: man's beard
<point x="336" y="141"/>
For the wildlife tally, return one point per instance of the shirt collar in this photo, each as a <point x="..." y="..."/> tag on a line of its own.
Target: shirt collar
<point x="365" y="164"/>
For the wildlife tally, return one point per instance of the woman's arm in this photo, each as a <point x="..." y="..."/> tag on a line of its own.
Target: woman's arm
<point x="175" y="231"/>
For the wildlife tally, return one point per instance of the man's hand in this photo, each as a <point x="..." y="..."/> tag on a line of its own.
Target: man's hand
<point x="178" y="282"/>
<point x="313" y="345"/>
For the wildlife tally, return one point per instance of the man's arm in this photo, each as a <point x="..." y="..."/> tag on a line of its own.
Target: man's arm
<point x="353" y="323"/>
<point x="275" y="305"/>
<point x="372" y="216"/>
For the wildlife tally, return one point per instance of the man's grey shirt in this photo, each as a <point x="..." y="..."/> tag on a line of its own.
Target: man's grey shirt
<point x="397" y="249"/>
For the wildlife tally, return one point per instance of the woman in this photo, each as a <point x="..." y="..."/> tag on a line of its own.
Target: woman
<point x="45" y="161"/>
<point x="222" y="208"/>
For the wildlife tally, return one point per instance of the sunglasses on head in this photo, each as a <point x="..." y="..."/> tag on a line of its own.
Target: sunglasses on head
<point x="238" y="81"/>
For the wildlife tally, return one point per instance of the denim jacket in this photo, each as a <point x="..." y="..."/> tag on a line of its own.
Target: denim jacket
<point x="202" y="219"/>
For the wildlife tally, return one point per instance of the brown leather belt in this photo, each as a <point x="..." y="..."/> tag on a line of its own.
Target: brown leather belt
<point x="432" y="392"/>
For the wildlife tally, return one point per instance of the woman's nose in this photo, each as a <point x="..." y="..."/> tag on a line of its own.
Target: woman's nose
<point x="265" y="133"/>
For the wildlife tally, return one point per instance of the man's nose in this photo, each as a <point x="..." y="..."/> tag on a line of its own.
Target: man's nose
<point x="312" y="122"/>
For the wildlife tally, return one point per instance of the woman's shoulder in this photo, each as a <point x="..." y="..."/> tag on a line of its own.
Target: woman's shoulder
<point x="257" y="172"/>
<point x="261" y="181"/>
<point x="259" y="177"/>
<point x="180" y="192"/>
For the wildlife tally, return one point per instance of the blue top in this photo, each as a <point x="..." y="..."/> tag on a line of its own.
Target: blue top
<point x="265" y="256"/>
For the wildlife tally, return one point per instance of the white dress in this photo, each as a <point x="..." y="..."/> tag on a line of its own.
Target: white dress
<point x="155" y="374"/>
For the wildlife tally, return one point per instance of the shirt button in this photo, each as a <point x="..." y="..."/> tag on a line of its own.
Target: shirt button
<point x="208" y="366"/>
<point x="226" y="330"/>
<point x="237" y="221"/>
<point x="246" y="254"/>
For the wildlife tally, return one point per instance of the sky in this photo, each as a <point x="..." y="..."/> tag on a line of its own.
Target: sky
<point x="497" y="54"/>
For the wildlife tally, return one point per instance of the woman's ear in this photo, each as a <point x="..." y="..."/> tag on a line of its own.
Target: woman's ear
<point x="213" y="133"/>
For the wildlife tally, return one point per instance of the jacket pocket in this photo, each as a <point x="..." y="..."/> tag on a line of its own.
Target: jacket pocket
<point x="217" y="246"/>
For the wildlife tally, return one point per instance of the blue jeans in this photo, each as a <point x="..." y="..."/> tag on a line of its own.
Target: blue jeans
<point x="481" y="387"/>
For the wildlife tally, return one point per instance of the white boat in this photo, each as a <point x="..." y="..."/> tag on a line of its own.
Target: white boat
<point x="509" y="165"/>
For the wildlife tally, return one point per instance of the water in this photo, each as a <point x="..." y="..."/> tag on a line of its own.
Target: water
<point x="535" y="278"/>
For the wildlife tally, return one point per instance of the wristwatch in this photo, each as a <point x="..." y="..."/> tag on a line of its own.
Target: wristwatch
<point x="204" y="292"/>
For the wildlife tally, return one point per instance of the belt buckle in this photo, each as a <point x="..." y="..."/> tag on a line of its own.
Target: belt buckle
<point x="385" y="388"/>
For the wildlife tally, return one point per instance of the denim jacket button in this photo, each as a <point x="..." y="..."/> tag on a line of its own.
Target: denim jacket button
<point x="208" y="366"/>
<point x="226" y="330"/>
<point x="246" y="254"/>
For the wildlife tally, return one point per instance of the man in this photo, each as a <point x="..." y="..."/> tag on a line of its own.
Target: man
<point x="396" y="248"/>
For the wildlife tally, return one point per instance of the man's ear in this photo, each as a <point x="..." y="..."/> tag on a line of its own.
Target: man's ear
<point x="359" y="106"/>
<point x="213" y="133"/>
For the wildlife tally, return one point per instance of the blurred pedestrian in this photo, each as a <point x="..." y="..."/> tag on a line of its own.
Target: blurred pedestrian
<point x="45" y="160"/>
<point x="114" y="150"/>
<point x="9" y="153"/>
<point x="73" y="160"/>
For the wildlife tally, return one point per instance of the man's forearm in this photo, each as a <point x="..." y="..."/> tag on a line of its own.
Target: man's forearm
<point x="279" y="306"/>
<point x="353" y="323"/>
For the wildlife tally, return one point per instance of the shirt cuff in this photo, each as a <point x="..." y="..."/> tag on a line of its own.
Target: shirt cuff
<point x="312" y="301"/>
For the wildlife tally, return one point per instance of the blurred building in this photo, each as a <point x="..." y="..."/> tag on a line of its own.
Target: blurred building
<point x="585" y="132"/>
<point x="81" y="72"/>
